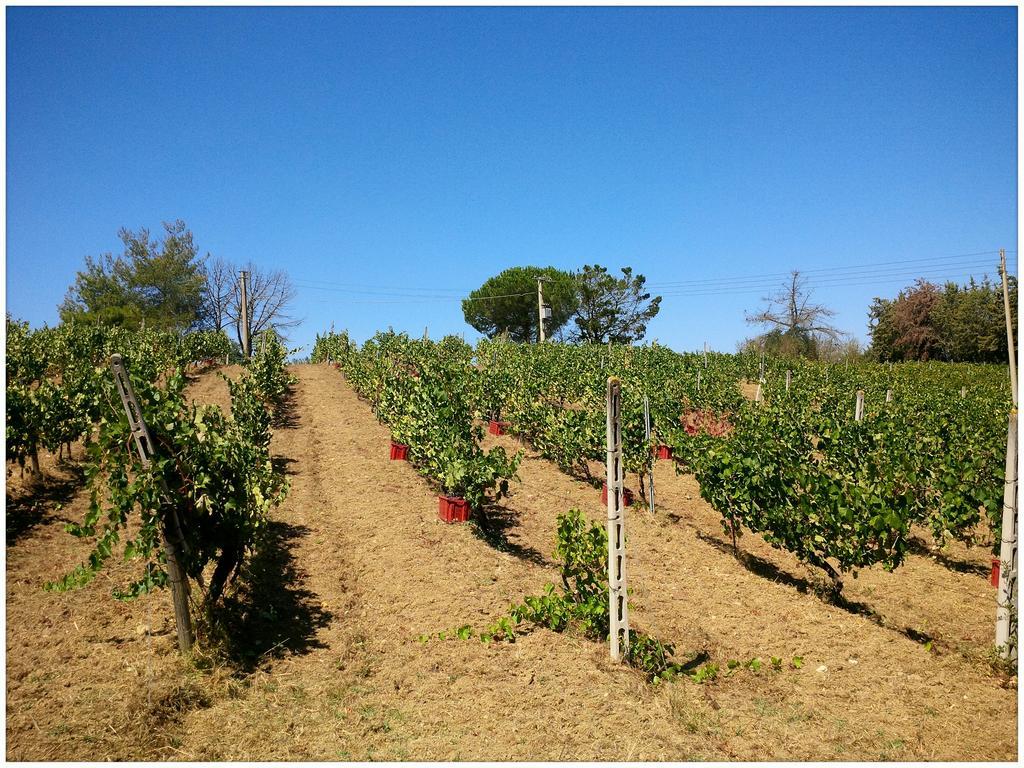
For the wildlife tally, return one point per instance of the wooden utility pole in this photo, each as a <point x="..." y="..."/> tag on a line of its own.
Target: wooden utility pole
<point x="245" y="312"/>
<point x="618" y="608"/>
<point x="1009" y="327"/>
<point x="170" y="528"/>
<point x="540" y="308"/>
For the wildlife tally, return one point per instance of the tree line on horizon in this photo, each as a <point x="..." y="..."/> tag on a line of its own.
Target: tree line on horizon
<point x="165" y="284"/>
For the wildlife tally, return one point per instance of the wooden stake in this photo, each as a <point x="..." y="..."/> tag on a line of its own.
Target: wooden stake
<point x="652" y="449"/>
<point x="789" y="378"/>
<point x="858" y="414"/>
<point x="170" y="528"/>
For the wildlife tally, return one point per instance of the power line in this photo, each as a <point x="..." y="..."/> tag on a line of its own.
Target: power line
<point x="884" y="277"/>
<point x="823" y="270"/>
<point x="850" y="274"/>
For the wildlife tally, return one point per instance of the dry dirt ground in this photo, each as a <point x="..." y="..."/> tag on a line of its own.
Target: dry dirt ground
<point x="323" y="660"/>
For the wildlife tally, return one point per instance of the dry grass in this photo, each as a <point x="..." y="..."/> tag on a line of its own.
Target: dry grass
<point x="326" y="664"/>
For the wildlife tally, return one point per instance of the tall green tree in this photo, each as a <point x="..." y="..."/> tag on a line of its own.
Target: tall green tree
<point x="610" y="308"/>
<point x="507" y="303"/>
<point x="961" y="323"/>
<point x="160" y="282"/>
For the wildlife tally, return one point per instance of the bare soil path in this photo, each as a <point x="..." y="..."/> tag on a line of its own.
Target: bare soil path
<point x="326" y="664"/>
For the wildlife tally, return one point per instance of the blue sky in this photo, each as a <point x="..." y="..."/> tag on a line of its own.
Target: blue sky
<point x="416" y="152"/>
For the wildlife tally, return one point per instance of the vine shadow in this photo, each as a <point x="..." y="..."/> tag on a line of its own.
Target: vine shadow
<point x="286" y="415"/>
<point x="268" y="614"/>
<point x="492" y="525"/>
<point x="36" y="507"/>
<point x="918" y="547"/>
<point x="768" y="570"/>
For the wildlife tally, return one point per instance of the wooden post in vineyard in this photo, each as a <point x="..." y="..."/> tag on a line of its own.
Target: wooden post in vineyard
<point x="858" y="413"/>
<point x="170" y="528"/>
<point x="698" y="379"/>
<point x="651" y="448"/>
<point x="789" y="378"/>
<point x="888" y="395"/>
<point x="705" y="354"/>
<point x="618" y="609"/>
<point x="758" y="394"/>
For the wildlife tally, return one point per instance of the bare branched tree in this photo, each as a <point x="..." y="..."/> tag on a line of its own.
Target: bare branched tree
<point x="793" y="321"/>
<point x="268" y="297"/>
<point x="219" y="293"/>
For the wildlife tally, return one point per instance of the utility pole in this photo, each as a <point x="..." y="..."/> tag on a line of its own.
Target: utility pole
<point x="540" y="308"/>
<point x="245" y="312"/>
<point x="1009" y="327"/>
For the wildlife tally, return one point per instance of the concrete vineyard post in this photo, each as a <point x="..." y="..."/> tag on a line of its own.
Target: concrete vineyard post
<point x="858" y="414"/>
<point x="758" y="394"/>
<point x="789" y="378"/>
<point x="705" y="354"/>
<point x="888" y="395"/>
<point x="171" y="526"/>
<point x="698" y="380"/>
<point x="647" y="433"/>
<point x="963" y="392"/>
<point x="618" y="609"/>
<point x="1006" y="599"/>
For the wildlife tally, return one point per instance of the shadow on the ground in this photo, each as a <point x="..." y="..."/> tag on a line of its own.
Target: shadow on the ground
<point x="918" y="547"/>
<point x="269" y="614"/>
<point x="283" y="464"/>
<point x="769" y="570"/>
<point x="36" y="506"/>
<point x="286" y="415"/>
<point x="492" y="525"/>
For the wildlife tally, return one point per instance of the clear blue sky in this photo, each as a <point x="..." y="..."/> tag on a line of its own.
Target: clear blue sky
<point x="420" y="151"/>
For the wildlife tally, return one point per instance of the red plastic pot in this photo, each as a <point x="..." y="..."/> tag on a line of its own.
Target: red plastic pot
<point x="994" y="578"/>
<point x="497" y="427"/>
<point x="664" y="452"/>
<point x="627" y="495"/>
<point x="399" y="452"/>
<point x="452" y="509"/>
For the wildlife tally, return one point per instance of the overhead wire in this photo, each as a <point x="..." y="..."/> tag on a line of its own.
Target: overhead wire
<point x="939" y="268"/>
